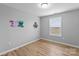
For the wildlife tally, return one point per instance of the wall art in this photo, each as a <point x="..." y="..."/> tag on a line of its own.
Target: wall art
<point x="19" y="23"/>
<point x="35" y="25"/>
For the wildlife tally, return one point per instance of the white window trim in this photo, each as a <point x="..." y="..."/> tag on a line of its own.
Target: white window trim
<point x="61" y="29"/>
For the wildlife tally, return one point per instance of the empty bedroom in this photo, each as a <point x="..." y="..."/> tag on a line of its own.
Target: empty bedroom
<point x="39" y="29"/>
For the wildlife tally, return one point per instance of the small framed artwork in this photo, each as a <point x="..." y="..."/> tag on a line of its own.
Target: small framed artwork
<point x="35" y="25"/>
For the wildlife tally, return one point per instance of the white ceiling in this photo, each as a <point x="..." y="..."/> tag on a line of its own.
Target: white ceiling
<point x="34" y="9"/>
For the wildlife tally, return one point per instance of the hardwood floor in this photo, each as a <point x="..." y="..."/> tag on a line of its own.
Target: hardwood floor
<point x="45" y="48"/>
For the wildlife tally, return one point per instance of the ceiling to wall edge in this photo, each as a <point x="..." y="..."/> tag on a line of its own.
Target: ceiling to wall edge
<point x="18" y="9"/>
<point x="71" y="10"/>
<point x="47" y="15"/>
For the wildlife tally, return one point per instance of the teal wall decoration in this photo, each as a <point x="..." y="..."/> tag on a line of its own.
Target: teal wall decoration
<point x="20" y="24"/>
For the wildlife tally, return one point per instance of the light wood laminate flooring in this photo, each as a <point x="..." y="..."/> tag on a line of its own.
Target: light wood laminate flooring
<point x="44" y="48"/>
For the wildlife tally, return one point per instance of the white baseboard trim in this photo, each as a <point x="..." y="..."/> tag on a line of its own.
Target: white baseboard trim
<point x="60" y="42"/>
<point x="2" y="53"/>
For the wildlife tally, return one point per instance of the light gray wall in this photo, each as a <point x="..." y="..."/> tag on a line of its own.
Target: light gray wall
<point x="14" y="37"/>
<point x="70" y="22"/>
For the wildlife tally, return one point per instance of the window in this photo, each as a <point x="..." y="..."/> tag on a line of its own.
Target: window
<point x="55" y="25"/>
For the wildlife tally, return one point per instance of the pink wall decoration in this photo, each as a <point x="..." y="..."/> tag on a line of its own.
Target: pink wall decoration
<point x="11" y="23"/>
